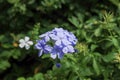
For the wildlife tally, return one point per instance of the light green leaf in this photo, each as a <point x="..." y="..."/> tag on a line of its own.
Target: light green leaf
<point x="97" y="32"/>
<point x="115" y="42"/>
<point x="93" y="47"/>
<point x="39" y="76"/>
<point x="21" y="78"/>
<point x="109" y="57"/>
<point x="13" y="1"/>
<point x="4" y="65"/>
<point x="95" y="66"/>
<point x="74" y="21"/>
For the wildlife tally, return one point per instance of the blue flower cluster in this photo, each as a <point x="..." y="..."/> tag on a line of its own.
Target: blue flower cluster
<point x="56" y="42"/>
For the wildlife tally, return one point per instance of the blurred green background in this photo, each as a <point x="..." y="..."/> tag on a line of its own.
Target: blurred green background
<point x="96" y="24"/>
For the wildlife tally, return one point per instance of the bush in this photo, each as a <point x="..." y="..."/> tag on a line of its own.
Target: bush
<point x="94" y="22"/>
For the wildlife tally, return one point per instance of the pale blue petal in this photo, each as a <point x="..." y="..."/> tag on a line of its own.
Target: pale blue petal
<point x="60" y="55"/>
<point x="58" y="29"/>
<point x="48" y="48"/>
<point x="43" y="35"/>
<point x="66" y="42"/>
<point x="70" y="49"/>
<point x="61" y="35"/>
<point x="54" y="37"/>
<point x="40" y="52"/>
<point x="53" y="56"/>
<point x="38" y="46"/>
<point x="65" y="50"/>
<point x="47" y="38"/>
<point x="58" y="42"/>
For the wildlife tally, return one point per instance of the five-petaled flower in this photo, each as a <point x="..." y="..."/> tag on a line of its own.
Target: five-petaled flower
<point x="41" y="45"/>
<point x="25" y="43"/>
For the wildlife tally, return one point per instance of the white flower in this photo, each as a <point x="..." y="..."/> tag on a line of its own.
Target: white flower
<point x="25" y="42"/>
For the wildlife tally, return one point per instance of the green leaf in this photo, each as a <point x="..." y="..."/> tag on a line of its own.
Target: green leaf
<point x="74" y="21"/>
<point x="6" y="45"/>
<point x="31" y="1"/>
<point x="109" y="57"/>
<point x="115" y="2"/>
<point x="85" y="71"/>
<point x="45" y="56"/>
<point x="21" y="78"/>
<point x="95" y="66"/>
<point x="115" y="42"/>
<point x="4" y="65"/>
<point x="71" y="57"/>
<point x="15" y="53"/>
<point x="5" y="55"/>
<point x="39" y="76"/>
<point x="97" y="32"/>
<point x="93" y="47"/>
<point x="29" y="78"/>
<point x="13" y="1"/>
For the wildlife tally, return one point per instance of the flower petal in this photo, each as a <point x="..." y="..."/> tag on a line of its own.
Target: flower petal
<point x="38" y="46"/>
<point x="65" y="50"/>
<point x="21" y="45"/>
<point x="61" y="35"/>
<point x="43" y="35"/>
<point x="30" y="42"/>
<point x="71" y="49"/>
<point x="48" y="48"/>
<point x="27" y="38"/>
<point x="40" y="52"/>
<point x="21" y="40"/>
<point x="58" y="42"/>
<point x="53" y="56"/>
<point x="60" y="55"/>
<point x="54" y="37"/>
<point x="27" y="46"/>
<point x="65" y="42"/>
<point x="47" y="38"/>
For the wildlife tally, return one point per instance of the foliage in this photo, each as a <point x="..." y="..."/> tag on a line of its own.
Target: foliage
<point x="95" y="23"/>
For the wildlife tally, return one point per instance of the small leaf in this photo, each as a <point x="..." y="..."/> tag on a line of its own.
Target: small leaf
<point x="93" y="47"/>
<point x="109" y="57"/>
<point x="15" y="53"/>
<point x="4" y="65"/>
<point x="95" y="66"/>
<point x="21" y="78"/>
<point x="13" y="1"/>
<point x="74" y="21"/>
<point x="115" y="42"/>
<point x="7" y="45"/>
<point x="45" y="56"/>
<point x="97" y="32"/>
<point x="39" y="76"/>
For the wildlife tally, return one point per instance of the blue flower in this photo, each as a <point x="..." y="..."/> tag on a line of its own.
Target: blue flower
<point x="72" y="39"/>
<point x="68" y="49"/>
<point x="42" y="47"/>
<point x="57" y="51"/>
<point x="58" y="65"/>
<point x="59" y="37"/>
<point x="45" y="36"/>
<point x="56" y="42"/>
